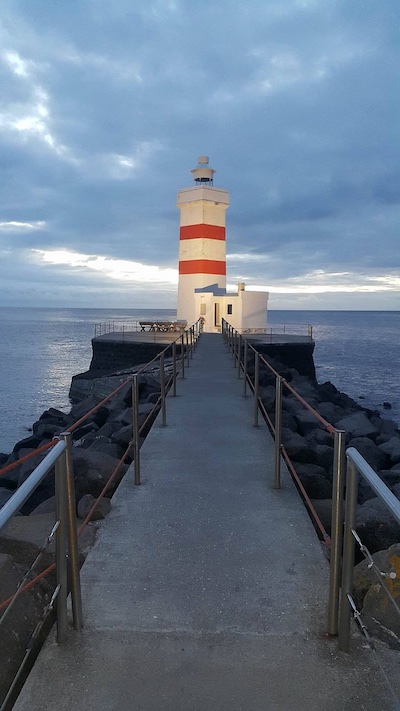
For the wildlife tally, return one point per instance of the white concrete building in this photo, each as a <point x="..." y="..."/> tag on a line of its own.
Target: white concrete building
<point x="202" y="260"/>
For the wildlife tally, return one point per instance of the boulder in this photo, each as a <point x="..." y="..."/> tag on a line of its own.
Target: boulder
<point x="306" y="422"/>
<point x="123" y="436"/>
<point x="378" y="611"/>
<point x="267" y="395"/>
<point x="5" y="495"/>
<point x="46" y="507"/>
<point x="17" y="628"/>
<point x="356" y="425"/>
<point x="375" y="526"/>
<point x="102" y="509"/>
<point x="322" y="454"/>
<point x="392" y="449"/>
<point x="102" y="444"/>
<point x="313" y="479"/>
<point x="330" y="412"/>
<point x="92" y="470"/>
<point x="323" y="507"/>
<point x="387" y="561"/>
<point x="296" y="446"/>
<point x="375" y="456"/>
<point x="23" y="536"/>
<point x="319" y="436"/>
<point x="291" y="404"/>
<point x="84" y="429"/>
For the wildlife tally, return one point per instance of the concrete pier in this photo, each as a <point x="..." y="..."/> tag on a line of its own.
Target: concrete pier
<point x="207" y="589"/>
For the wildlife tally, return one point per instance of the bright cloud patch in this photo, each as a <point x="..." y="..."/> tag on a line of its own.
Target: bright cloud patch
<point x="14" y="226"/>
<point x="120" y="269"/>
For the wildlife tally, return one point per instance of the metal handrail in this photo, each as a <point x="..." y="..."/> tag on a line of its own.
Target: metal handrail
<point x="356" y="464"/>
<point x="66" y="537"/>
<point x="341" y="568"/>
<point x="334" y="542"/>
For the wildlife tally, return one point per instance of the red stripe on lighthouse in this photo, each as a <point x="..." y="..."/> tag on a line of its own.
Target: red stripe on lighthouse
<point x="202" y="232"/>
<point x="202" y="266"/>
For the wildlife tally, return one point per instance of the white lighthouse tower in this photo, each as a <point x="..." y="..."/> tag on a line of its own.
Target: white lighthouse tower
<point x="202" y="245"/>
<point x="202" y="261"/>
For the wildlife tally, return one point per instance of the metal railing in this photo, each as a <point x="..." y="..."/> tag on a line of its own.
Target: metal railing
<point x="356" y="465"/>
<point x="65" y="530"/>
<point x="179" y="352"/>
<point x="284" y="329"/>
<point x="341" y="544"/>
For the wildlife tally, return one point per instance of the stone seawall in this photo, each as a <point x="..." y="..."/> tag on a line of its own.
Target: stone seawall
<point x="109" y="356"/>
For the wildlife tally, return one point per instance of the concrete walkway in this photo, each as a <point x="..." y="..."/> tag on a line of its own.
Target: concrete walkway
<point x="206" y="590"/>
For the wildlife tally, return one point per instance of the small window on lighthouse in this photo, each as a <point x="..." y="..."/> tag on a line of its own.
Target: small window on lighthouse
<point x="203" y="308"/>
<point x="229" y="309"/>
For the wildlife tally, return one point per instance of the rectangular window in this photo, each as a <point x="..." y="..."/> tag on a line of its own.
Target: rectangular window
<point x="203" y="308"/>
<point x="229" y="309"/>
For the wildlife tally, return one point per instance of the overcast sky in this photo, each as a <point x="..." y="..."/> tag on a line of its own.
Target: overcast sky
<point x="105" y="107"/>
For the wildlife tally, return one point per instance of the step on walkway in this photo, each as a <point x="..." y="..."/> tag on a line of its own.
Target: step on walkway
<point x="206" y="589"/>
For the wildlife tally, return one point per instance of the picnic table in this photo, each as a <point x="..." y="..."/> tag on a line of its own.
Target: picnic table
<point x="162" y="326"/>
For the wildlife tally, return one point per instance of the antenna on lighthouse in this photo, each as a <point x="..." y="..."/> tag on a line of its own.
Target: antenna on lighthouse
<point x="203" y="174"/>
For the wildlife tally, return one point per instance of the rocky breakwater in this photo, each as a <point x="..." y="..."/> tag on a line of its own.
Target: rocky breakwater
<point x="310" y="448"/>
<point x="98" y="444"/>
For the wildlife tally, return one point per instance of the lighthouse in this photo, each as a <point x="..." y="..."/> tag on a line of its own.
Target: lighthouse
<point x="202" y="261"/>
<point x="202" y="238"/>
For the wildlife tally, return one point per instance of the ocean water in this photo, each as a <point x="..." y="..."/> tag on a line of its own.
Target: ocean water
<point x="41" y="349"/>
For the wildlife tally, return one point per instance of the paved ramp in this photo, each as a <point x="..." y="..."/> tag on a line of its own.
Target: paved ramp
<point x="207" y="589"/>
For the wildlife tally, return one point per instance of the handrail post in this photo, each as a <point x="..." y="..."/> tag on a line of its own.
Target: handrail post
<point x="245" y="368"/>
<point x="339" y="459"/>
<point x="187" y="349"/>
<point x="73" y="553"/>
<point x="348" y="557"/>
<point x="135" y="419"/>
<point x="174" y="369"/>
<point x="61" y="548"/>
<point x="239" y="353"/>
<point x="256" y="385"/>
<point x="278" y="430"/>
<point x="162" y="383"/>
<point x="183" y="355"/>
<point x="191" y="341"/>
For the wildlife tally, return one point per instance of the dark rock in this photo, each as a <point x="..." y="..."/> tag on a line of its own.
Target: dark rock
<point x="313" y="479"/>
<point x="323" y="508"/>
<point x="322" y="455"/>
<point x="267" y="395"/>
<point x="392" y="449"/>
<point x="108" y="429"/>
<point x="396" y="490"/>
<point x="46" y="507"/>
<point x="296" y="446"/>
<point x="378" y="612"/>
<point x="357" y="425"/>
<point x="17" y="628"/>
<point x="391" y="477"/>
<point x="102" y="509"/>
<point x="365" y="576"/>
<point x="28" y="443"/>
<point x="153" y="397"/>
<point x="102" y="444"/>
<point x="92" y="470"/>
<point x="375" y="526"/>
<point x="319" y="436"/>
<point x="5" y="495"/>
<point x="291" y="404"/>
<point x="123" y="436"/>
<point x="387" y="406"/>
<point x="375" y="456"/>
<point x="306" y="422"/>
<point x="46" y="430"/>
<point x="330" y="412"/>
<point x="86" y="428"/>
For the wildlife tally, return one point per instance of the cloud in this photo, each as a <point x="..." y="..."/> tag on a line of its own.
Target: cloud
<point x="104" y="109"/>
